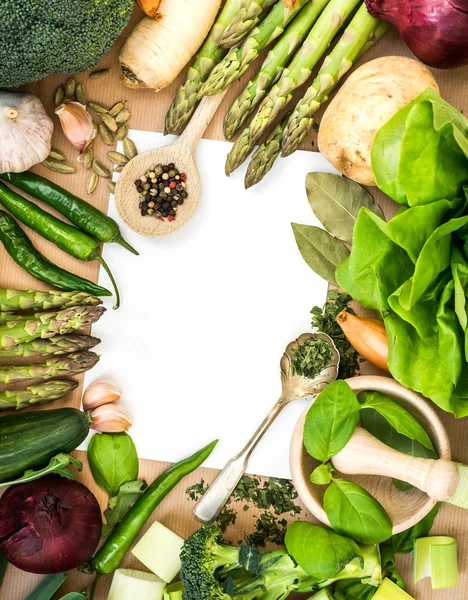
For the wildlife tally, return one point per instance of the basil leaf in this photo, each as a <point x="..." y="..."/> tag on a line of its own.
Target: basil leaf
<point x="120" y="504"/>
<point x="323" y="474"/>
<point x="331" y="421"/>
<point x="336" y="202"/>
<point x="321" y="251"/>
<point x="352" y="511"/>
<point x="354" y="590"/>
<point x="399" y="418"/>
<point x="113" y="460"/>
<point x="320" y="552"/>
<point x="403" y="543"/>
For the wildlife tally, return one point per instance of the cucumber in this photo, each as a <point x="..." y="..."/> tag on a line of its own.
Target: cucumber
<point x="30" y="440"/>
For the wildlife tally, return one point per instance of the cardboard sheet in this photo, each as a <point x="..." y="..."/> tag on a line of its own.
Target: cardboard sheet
<point x="208" y="311"/>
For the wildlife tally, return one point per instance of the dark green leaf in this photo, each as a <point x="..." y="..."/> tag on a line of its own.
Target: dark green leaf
<point x="336" y="202"/>
<point x="113" y="460"/>
<point x="320" y="552"/>
<point x="403" y="543"/>
<point x="323" y="474"/>
<point x="58" y="465"/>
<point x="73" y="596"/>
<point x="388" y="565"/>
<point x="399" y="418"/>
<point x="48" y="586"/>
<point x="119" y="505"/>
<point x="331" y="421"/>
<point x="3" y="567"/>
<point x="352" y="511"/>
<point x="354" y="590"/>
<point x="321" y="251"/>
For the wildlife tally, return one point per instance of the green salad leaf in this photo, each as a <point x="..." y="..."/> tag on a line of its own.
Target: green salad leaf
<point x="354" y="590"/>
<point x="353" y="512"/>
<point x="321" y="552"/>
<point x="119" y="505"/>
<point x="421" y="154"/>
<point x="58" y="464"/>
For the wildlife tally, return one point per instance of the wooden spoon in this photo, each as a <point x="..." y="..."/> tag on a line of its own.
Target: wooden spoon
<point x="182" y="154"/>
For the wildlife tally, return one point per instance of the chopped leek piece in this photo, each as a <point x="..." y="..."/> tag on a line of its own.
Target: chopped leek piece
<point x="129" y="583"/>
<point x="436" y="557"/>
<point x="48" y="586"/>
<point x="390" y="591"/>
<point x="322" y="595"/>
<point x="460" y="498"/>
<point x="174" y="591"/>
<point x="159" y="550"/>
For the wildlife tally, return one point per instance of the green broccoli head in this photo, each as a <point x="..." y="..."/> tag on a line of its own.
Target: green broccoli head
<point x="40" y="37"/>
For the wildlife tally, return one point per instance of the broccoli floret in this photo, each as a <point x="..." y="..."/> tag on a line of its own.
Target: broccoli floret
<point x="40" y="37"/>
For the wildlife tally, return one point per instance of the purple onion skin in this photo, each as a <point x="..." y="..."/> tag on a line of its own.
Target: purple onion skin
<point x="49" y="525"/>
<point x="436" y="31"/>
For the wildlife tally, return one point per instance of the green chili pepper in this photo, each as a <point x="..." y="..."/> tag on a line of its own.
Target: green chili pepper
<point x="68" y="238"/>
<point x="110" y="555"/>
<point x="20" y="248"/>
<point x="77" y="211"/>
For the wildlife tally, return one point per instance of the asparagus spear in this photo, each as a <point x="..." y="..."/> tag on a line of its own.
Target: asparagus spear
<point x="60" y="344"/>
<point x="277" y="59"/>
<point x="36" y="394"/>
<point x="266" y="154"/>
<point x="11" y="300"/>
<point x="300" y="69"/>
<point x="362" y="32"/>
<point x="248" y="15"/>
<point x="238" y="60"/>
<point x="209" y="55"/>
<point x="61" y="366"/>
<point x="49" y="324"/>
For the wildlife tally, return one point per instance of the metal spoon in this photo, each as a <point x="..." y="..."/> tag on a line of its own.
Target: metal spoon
<point x="294" y="387"/>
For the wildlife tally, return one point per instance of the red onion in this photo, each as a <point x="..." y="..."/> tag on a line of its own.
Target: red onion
<point x="49" y="525"/>
<point x="435" y="30"/>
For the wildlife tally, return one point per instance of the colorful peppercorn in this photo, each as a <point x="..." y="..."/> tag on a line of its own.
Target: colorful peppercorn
<point x="163" y="190"/>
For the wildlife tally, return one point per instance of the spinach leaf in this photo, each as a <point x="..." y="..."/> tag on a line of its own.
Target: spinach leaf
<point x="353" y="512"/>
<point x="119" y="505"/>
<point x="320" y="250"/>
<point x="421" y="154"/>
<point x="353" y="589"/>
<point x="399" y="418"/>
<point x="336" y="201"/>
<point x="389" y="567"/>
<point x="113" y="460"/>
<point x="331" y="421"/>
<point x="403" y="543"/>
<point x="320" y="552"/>
<point x="323" y="474"/>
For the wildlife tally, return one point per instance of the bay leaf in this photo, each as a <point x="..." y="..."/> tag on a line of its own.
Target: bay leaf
<point x="321" y="251"/>
<point x="336" y="202"/>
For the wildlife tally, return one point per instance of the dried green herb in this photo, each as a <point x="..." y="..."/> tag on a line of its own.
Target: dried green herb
<point x="324" y="319"/>
<point x="268" y="529"/>
<point x="311" y="358"/>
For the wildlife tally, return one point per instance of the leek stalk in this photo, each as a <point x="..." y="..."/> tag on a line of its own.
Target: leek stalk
<point x="174" y="591"/>
<point x="48" y="586"/>
<point x="436" y="557"/>
<point x="129" y="583"/>
<point x="390" y="591"/>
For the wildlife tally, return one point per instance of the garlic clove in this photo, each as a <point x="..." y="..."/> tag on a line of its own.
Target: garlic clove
<point x="111" y="418"/>
<point x="77" y="124"/>
<point x="99" y="393"/>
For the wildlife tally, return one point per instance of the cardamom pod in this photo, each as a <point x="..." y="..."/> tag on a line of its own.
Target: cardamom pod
<point x="101" y="169"/>
<point x="119" y="169"/>
<point x="129" y="148"/>
<point x="95" y="130"/>
<point x="122" y="132"/>
<point x="109" y="122"/>
<point x="123" y="116"/>
<point x="81" y="94"/>
<point x="97" y="108"/>
<point x="87" y="156"/>
<point x="58" y="166"/>
<point x="117" y="108"/>
<point x="117" y="158"/>
<point x="59" y="95"/>
<point x="70" y="87"/>
<point x="91" y="184"/>
<point x="98" y="74"/>
<point x="106" y="135"/>
<point x="56" y="154"/>
<point x="111" y="186"/>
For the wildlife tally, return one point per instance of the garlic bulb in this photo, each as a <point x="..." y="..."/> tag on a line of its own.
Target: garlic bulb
<point x="25" y="132"/>
<point x="99" y="393"/>
<point x="77" y="124"/>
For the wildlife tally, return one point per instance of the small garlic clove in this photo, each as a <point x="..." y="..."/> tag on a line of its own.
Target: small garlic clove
<point x="77" y="124"/>
<point x="111" y="418"/>
<point x="99" y="393"/>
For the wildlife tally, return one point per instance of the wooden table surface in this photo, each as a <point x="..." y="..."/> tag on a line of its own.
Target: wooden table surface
<point x="148" y="110"/>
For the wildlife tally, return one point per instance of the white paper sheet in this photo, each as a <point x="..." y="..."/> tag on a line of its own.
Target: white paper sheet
<point x="207" y="312"/>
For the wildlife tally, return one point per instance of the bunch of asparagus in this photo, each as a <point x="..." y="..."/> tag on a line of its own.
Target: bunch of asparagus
<point x="45" y="334"/>
<point x="303" y="34"/>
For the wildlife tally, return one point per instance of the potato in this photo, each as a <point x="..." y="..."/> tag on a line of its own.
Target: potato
<point x="368" y="99"/>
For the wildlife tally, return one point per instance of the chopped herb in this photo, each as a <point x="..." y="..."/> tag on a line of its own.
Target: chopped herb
<point x="311" y="358"/>
<point x="324" y="319"/>
<point x="268" y="529"/>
